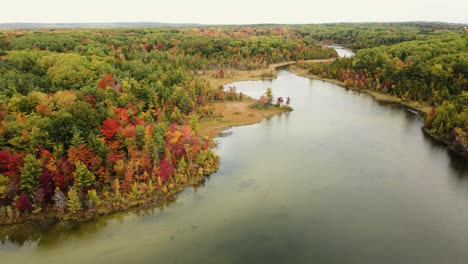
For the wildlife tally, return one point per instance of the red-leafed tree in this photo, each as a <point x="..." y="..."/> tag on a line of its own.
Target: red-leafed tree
<point x="138" y="121"/>
<point x="42" y="109"/>
<point x="47" y="184"/>
<point x="23" y="203"/>
<point x="166" y="170"/>
<point x="176" y="139"/>
<point x="63" y="176"/>
<point x="159" y="46"/>
<point x="106" y="81"/>
<point x="86" y="156"/>
<point x="130" y="131"/>
<point x="109" y="127"/>
<point x="122" y="115"/>
<point x="10" y="164"/>
<point x="47" y="159"/>
<point x="128" y="180"/>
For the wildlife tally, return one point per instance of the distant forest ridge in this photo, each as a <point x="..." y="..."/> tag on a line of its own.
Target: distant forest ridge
<point x="93" y="25"/>
<point x="159" y="24"/>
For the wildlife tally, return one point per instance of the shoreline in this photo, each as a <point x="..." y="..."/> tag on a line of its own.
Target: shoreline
<point x="235" y="114"/>
<point x="239" y="113"/>
<point x="250" y="75"/>
<point x="230" y="116"/>
<point x="391" y="100"/>
<point x="25" y="228"/>
<point x="34" y="225"/>
<point x="380" y="97"/>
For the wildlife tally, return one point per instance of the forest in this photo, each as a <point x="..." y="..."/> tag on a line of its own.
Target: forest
<point x="366" y="35"/>
<point x="433" y="72"/>
<point x="94" y="121"/>
<point x="98" y="120"/>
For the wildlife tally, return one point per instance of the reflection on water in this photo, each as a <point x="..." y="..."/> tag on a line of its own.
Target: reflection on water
<point x="458" y="164"/>
<point x="341" y="179"/>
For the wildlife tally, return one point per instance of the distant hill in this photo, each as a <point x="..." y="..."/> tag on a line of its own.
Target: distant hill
<point x="94" y="25"/>
<point x="432" y="24"/>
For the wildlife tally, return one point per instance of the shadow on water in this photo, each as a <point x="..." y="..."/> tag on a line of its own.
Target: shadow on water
<point x="50" y="233"/>
<point x="458" y="164"/>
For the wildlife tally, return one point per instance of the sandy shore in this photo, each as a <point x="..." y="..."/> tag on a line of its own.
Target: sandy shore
<point x="239" y="113"/>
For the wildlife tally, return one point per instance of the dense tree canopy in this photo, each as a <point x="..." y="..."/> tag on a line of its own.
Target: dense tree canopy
<point x="92" y="113"/>
<point x="97" y="119"/>
<point x="367" y="35"/>
<point x="431" y="71"/>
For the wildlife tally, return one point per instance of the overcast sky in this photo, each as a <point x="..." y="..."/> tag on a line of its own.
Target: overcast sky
<point x="233" y="11"/>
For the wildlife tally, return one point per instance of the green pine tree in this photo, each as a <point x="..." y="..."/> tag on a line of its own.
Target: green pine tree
<point x="83" y="177"/>
<point x="30" y="173"/>
<point x="74" y="203"/>
<point x="151" y="186"/>
<point x="194" y="123"/>
<point x="135" y="193"/>
<point x="77" y="139"/>
<point x="93" y="199"/>
<point x="269" y="96"/>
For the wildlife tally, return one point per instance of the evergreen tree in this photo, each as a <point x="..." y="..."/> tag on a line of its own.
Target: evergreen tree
<point x="30" y="173"/>
<point x="194" y="125"/>
<point x="93" y="199"/>
<point x="73" y="202"/>
<point x="83" y="177"/>
<point x="77" y="139"/>
<point x="269" y="96"/>
<point x="182" y="101"/>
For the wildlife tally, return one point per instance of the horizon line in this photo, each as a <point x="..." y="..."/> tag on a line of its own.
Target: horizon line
<point x="123" y="24"/>
<point x="236" y="24"/>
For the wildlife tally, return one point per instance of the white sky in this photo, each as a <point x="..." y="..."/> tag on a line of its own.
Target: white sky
<point x="233" y="11"/>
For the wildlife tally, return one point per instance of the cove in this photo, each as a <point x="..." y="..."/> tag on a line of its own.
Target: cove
<point x="341" y="179"/>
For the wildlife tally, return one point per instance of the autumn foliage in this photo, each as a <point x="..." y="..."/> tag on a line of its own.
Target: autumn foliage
<point x="106" y="81"/>
<point x="109" y="127"/>
<point x="98" y="124"/>
<point x="23" y="203"/>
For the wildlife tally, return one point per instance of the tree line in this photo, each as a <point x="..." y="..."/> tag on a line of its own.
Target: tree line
<point x="432" y="71"/>
<point x="97" y="120"/>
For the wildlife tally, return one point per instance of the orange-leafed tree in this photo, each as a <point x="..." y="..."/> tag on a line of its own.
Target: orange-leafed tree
<point x="110" y="127"/>
<point x="106" y="81"/>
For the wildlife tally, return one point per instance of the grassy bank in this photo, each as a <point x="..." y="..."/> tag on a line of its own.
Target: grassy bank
<point x="239" y="113"/>
<point x="235" y="113"/>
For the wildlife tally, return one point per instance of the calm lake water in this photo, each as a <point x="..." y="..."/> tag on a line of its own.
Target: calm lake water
<point x="341" y="179"/>
<point x="342" y="51"/>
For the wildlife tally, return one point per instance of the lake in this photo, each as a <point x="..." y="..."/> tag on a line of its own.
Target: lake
<point x="342" y="51"/>
<point x="341" y="179"/>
